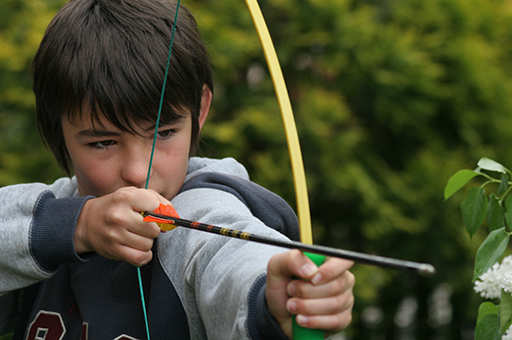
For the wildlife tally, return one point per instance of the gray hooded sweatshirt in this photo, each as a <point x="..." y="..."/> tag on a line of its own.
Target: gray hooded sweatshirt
<point x="198" y="285"/>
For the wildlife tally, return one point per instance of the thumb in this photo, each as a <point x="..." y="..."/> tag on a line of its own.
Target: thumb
<point x="291" y="264"/>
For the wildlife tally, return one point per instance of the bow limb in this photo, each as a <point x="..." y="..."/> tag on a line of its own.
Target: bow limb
<point x="292" y="138"/>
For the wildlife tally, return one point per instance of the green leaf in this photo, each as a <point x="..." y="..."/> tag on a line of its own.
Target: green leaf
<point x="505" y="311"/>
<point x="487" y="308"/>
<point x="457" y="181"/>
<point x="474" y="209"/>
<point x="495" y="213"/>
<point x="503" y="184"/>
<point x="508" y="211"/>
<point x="488" y="328"/>
<point x="490" y="251"/>
<point x="489" y="164"/>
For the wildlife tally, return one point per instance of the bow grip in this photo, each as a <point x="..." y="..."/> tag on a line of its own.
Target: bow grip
<point x="301" y="333"/>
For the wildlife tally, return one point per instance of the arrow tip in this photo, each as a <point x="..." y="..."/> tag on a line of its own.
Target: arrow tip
<point x="426" y="269"/>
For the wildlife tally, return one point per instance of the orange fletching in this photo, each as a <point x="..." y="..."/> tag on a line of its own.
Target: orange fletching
<point x="167" y="210"/>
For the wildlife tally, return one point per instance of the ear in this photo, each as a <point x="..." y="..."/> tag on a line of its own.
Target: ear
<point x="206" y="101"/>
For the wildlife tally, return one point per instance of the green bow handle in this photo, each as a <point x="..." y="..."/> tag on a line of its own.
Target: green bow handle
<point x="301" y="333"/>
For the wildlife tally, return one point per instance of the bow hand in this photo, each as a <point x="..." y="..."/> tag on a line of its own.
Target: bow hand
<point x="322" y="298"/>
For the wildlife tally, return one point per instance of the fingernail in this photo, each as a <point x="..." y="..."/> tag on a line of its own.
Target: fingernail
<point x="317" y="279"/>
<point x="292" y="288"/>
<point x="301" y="320"/>
<point x="291" y="306"/>
<point x="308" y="269"/>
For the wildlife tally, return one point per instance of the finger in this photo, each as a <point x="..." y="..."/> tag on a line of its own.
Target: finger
<point x="139" y="227"/>
<point x="305" y="289"/>
<point x="321" y="306"/>
<point x="284" y="266"/>
<point x="151" y="201"/>
<point x="137" y="252"/>
<point x="333" y="323"/>
<point x="122" y="221"/>
<point x="136" y="241"/>
<point x="140" y="199"/>
<point x="331" y="269"/>
<point x="133" y="256"/>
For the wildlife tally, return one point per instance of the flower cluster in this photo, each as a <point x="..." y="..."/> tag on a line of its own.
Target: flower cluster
<point x="499" y="277"/>
<point x="507" y="335"/>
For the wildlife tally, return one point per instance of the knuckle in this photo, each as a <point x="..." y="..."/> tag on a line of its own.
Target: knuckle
<point x="343" y="321"/>
<point x="344" y="302"/>
<point x="148" y="244"/>
<point x="154" y="230"/>
<point x="343" y="283"/>
<point x="141" y="258"/>
<point x="301" y="306"/>
<point x="299" y="289"/>
<point x="111" y="251"/>
<point x="337" y="304"/>
<point x="116" y="217"/>
<point x="123" y="194"/>
<point x="341" y="302"/>
<point x="351" y="278"/>
<point x="272" y="263"/>
<point x="337" y="287"/>
<point x="112" y="239"/>
<point x="294" y="256"/>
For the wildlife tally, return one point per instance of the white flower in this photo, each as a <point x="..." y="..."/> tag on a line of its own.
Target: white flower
<point x="507" y="282"/>
<point x="489" y="285"/>
<point x="507" y="335"/>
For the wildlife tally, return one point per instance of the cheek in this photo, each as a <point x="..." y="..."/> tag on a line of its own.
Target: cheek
<point x="172" y="169"/>
<point x="95" y="178"/>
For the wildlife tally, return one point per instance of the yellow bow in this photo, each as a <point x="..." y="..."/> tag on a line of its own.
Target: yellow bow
<point x="292" y="138"/>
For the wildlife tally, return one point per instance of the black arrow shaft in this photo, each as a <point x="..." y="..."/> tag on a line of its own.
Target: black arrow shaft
<point x="374" y="260"/>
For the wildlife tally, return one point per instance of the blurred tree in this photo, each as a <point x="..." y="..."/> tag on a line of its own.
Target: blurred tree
<point x="23" y="157"/>
<point x="391" y="98"/>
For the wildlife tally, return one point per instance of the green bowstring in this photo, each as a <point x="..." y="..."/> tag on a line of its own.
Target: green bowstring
<point x="143" y="300"/>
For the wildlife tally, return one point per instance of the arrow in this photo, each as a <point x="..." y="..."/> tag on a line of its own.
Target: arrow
<point x="373" y="260"/>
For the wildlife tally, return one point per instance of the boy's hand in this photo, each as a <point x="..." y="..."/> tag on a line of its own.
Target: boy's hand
<point x="323" y="302"/>
<point x="112" y="225"/>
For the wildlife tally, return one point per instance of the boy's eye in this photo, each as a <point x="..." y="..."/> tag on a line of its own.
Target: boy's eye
<point x="102" y="144"/>
<point x="166" y="133"/>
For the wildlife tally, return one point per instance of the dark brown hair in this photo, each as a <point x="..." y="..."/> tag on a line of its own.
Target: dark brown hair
<point x="109" y="57"/>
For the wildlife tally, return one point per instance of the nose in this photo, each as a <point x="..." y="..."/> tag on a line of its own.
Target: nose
<point x="135" y="165"/>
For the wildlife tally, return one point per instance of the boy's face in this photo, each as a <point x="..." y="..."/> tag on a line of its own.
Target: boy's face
<point x="105" y="158"/>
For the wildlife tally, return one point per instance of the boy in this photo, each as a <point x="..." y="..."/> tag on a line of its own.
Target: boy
<point x="72" y="245"/>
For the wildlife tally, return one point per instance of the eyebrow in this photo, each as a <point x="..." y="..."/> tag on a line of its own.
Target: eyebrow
<point x="97" y="133"/>
<point x="151" y="129"/>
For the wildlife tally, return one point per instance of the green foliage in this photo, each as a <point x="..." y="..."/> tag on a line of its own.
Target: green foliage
<point x="505" y="312"/>
<point x="493" y="321"/>
<point x="474" y="209"/>
<point x="490" y="251"/>
<point x="488" y="328"/>
<point x="487" y="308"/>
<point x="390" y="98"/>
<point x="23" y="157"/>
<point x="457" y="181"/>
